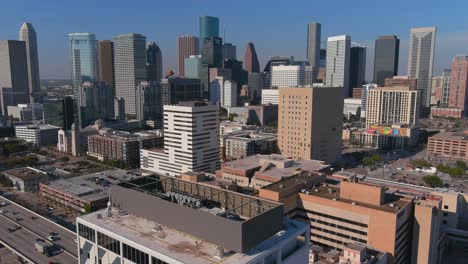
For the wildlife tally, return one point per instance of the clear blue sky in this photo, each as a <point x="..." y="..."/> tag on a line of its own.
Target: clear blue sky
<point x="277" y="27"/>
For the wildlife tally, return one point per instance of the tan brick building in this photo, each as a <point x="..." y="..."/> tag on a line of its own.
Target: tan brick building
<point x="310" y="122"/>
<point x="449" y="144"/>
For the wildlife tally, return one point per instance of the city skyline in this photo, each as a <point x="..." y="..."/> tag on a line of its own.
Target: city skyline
<point x="53" y="48"/>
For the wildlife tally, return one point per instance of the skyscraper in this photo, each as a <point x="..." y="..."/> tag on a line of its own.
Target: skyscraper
<point x="14" y="85"/>
<point x="177" y="89"/>
<point x="338" y="61"/>
<point x="196" y="67"/>
<point x="237" y="74"/>
<point x="148" y="102"/>
<point x="458" y="95"/>
<point x="387" y="50"/>
<point x="421" y="60"/>
<point x="287" y="76"/>
<point x="83" y="53"/>
<point x="188" y="46"/>
<point x="357" y="68"/>
<point x="310" y="122"/>
<point x="60" y="112"/>
<point x="251" y="59"/>
<point x="313" y="44"/>
<point x="153" y="63"/>
<point x="95" y="102"/>
<point x="106" y="62"/>
<point x="256" y="82"/>
<point x="209" y="27"/>
<point x="213" y="51"/>
<point x="28" y="35"/>
<point x="229" y="51"/>
<point x="130" y="68"/>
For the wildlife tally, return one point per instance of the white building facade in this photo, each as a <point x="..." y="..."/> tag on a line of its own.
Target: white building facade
<point x="287" y="75"/>
<point x="270" y="96"/>
<point x="191" y="141"/>
<point x="338" y="62"/>
<point x="39" y="135"/>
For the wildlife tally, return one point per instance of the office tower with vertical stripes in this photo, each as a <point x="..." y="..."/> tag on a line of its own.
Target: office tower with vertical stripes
<point x="187" y="46"/>
<point x="130" y="68"/>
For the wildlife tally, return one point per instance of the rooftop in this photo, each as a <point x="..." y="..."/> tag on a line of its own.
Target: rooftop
<point x="25" y="173"/>
<point x="281" y="166"/>
<point x="391" y="203"/>
<point x="92" y="187"/>
<point x="451" y="135"/>
<point x="178" y="245"/>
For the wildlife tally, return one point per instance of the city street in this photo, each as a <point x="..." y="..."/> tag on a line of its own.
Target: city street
<point x="33" y="227"/>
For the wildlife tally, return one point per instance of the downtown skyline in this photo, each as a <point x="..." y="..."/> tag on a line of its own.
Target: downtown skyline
<point x="275" y="38"/>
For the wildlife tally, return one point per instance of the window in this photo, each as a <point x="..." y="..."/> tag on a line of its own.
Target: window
<point x="445" y="206"/>
<point x="108" y="243"/>
<point x="157" y="261"/>
<point x="445" y="214"/>
<point x="86" y="232"/>
<point x="444" y="222"/>
<point x="135" y="255"/>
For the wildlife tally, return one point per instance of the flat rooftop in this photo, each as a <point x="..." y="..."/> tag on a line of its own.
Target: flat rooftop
<point x="255" y="161"/>
<point x="451" y="136"/>
<point x="392" y="204"/>
<point x="92" y="187"/>
<point x="178" y="245"/>
<point x="25" y="173"/>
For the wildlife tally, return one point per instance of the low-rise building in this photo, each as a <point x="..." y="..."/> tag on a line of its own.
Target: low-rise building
<point x="26" y="179"/>
<point x="353" y="253"/>
<point x="261" y="115"/>
<point x="39" y="135"/>
<point x="397" y="136"/>
<point x="449" y="144"/>
<point x="26" y="112"/>
<point x="352" y="107"/>
<point x="228" y="127"/>
<point x="241" y="145"/>
<point x="261" y="170"/>
<point x="437" y="112"/>
<point x="201" y="225"/>
<point x="84" y="193"/>
<point x="348" y="212"/>
<point x="122" y="146"/>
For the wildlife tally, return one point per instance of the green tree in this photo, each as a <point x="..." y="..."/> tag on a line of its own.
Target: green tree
<point x="88" y="209"/>
<point x="421" y="163"/>
<point x="461" y="164"/>
<point x="433" y="181"/>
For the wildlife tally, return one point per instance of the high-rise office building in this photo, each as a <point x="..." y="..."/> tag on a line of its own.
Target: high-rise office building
<point x="209" y="27"/>
<point x="323" y="58"/>
<point x="106" y="62"/>
<point x="257" y="82"/>
<point x="237" y="74"/>
<point x="14" y="84"/>
<point x="390" y="105"/>
<point x="387" y="50"/>
<point x="458" y="95"/>
<point x="188" y="46"/>
<point x="421" y="60"/>
<point x="364" y="93"/>
<point x="61" y="112"/>
<point x="401" y="81"/>
<point x="313" y="44"/>
<point x="130" y="68"/>
<point x="194" y="122"/>
<point x="251" y="59"/>
<point x="310" y="122"/>
<point x="338" y="62"/>
<point x="213" y="51"/>
<point x="196" y="67"/>
<point x="28" y="35"/>
<point x="83" y="51"/>
<point x="177" y="89"/>
<point x="148" y="102"/>
<point x="287" y="76"/>
<point x="153" y="63"/>
<point x="357" y="68"/>
<point x="223" y="92"/>
<point x="276" y="61"/>
<point x="95" y="102"/>
<point x="229" y="51"/>
<point x="441" y="87"/>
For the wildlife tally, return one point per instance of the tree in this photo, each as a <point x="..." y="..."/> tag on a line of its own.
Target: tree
<point x="433" y="181"/>
<point x="461" y="164"/>
<point x="64" y="159"/>
<point x="88" y="209"/>
<point x="421" y="163"/>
